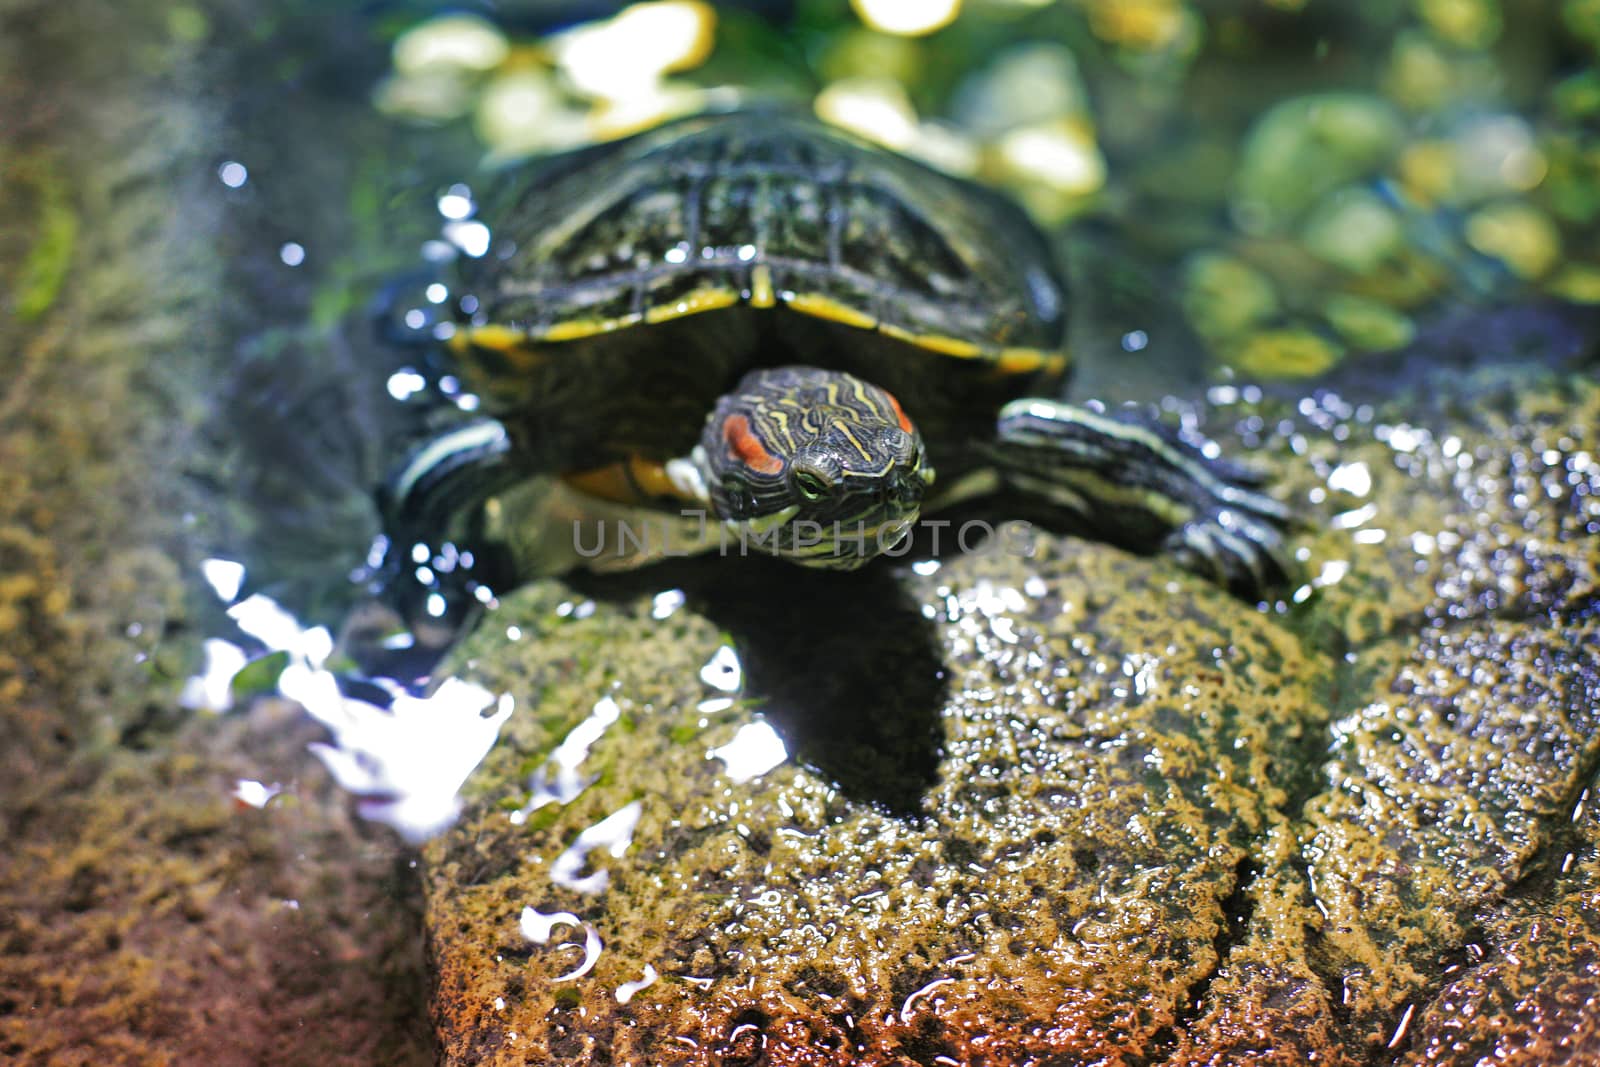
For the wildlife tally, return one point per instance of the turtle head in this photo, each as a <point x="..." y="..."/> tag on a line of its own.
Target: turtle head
<point x="814" y="465"/>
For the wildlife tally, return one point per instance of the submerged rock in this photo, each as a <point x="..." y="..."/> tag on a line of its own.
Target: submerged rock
<point x="1078" y="807"/>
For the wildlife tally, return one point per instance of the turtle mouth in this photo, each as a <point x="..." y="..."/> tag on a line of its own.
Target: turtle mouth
<point x="905" y="492"/>
<point x="832" y="544"/>
<point x="894" y="532"/>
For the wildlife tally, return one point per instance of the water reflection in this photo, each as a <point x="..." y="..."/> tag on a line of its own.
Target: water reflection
<point x="628" y="990"/>
<point x="212" y="688"/>
<point x="723" y="671"/>
<point x="614" y="834"/>
<point x="224" y="576"/>
<point x="558" y="781"/>
<point x="405" y="762"/>
<point x="255" y="794"/>
<point x="754" y="750"/>
<point x="537" y="926"/>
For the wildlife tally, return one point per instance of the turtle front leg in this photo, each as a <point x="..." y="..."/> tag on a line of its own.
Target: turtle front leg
<point x="1135" y="483"/>
<point x="435" y="554"/>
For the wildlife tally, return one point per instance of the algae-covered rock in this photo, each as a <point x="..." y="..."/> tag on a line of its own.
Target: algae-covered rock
<point x="150" y="911"/>
<point x="1092" y="766"/>
<point x="1075" y="805"/>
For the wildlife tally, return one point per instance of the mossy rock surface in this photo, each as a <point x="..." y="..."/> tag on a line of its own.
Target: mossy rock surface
<point x="1079" y="807"/>
<point x="146" y="915"/>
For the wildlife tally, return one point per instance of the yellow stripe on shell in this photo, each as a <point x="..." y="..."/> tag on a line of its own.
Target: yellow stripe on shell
<point x="761" y="292"/>
<point x="494" y="338"/>
<point x="825" y="307"/>
<point x="1027" y="360"/>
<point x="575" y="329"/>
<point x="510" y="344"/>
<point x="692" y="304"/>
<point x="948" y="346"/>
<point x="1014" y="360"/>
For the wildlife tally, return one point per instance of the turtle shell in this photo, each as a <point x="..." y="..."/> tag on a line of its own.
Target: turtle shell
<point x="627" y="286"/>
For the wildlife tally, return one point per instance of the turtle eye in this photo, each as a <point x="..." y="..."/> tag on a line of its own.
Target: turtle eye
<point x="813" y="485"/>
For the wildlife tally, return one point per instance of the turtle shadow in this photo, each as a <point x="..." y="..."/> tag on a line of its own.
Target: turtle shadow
<point x="846" y="667"/>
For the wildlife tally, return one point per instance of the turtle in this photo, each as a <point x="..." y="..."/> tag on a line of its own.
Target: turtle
<point x="782" y="335"/>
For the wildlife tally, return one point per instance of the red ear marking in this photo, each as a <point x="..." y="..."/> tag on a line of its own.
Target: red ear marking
<point x="905" y="423"/>
<point x="748" y="447"/>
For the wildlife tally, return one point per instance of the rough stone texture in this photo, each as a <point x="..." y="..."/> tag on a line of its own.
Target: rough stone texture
<point x="145" y="916"/>
<point x="1536" y="1000"/>
<point x="1079" y="808"/>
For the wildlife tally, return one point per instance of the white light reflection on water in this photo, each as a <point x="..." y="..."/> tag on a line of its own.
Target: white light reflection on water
<point x="1352" y="478"/>
<point x="723" y="671"/>
<point x="614" y="833"/>
<point x="471" y="236"/>
<point x="262" y="618"/>
<point x="408" y="761"/>
<point x="537" y="926"/>
<point x="1332" y="573"/>
<point x="926" y="992"/>
<point x="255" y="794"/>
<point x="456" y="204"/>
<point x="1352" y="520"/>
<point x="211" y="689"/>
<point x="557" y="780"/>
<point x="627" y="990"/>
<point x="224" y="576"/>
<point x="754" y="750"/>
<point x="664" y="604"/>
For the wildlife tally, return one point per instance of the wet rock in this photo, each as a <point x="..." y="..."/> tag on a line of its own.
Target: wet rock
<point x="1057" y="885"/>
<point x="1076" y="806"/>
<point x="147" y="916"/>
<point x="1532" y="1001"/>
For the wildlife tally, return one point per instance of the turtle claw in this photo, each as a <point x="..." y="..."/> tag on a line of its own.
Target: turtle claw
<point x="1236" y="550"/>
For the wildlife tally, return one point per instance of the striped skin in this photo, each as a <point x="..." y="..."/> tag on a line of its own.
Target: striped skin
<point x="1138" y="484"/>
<point x="816" y="466"/>
<point x="445" y="478"/>
<point x="435" y="498"/>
